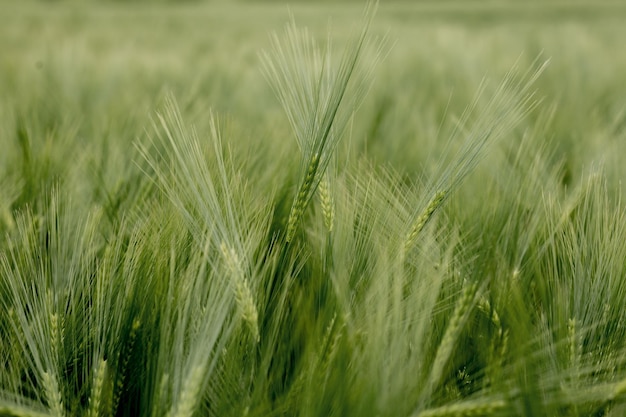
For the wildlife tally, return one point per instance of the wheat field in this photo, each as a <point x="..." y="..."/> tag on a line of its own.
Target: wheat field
<point x="253" y="208"/>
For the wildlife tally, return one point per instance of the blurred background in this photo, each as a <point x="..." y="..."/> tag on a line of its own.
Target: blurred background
<point x="103" y="66"/>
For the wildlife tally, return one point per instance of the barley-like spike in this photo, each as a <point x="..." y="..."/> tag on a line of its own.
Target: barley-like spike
<point x="97" y="389"/>
<point x="303" y="197"/>
<point x="330" y="343"/>
<point x="190" y="395"/>
<point x="121" y="375"/>
<point x="53" y="394"/>
<point x="328" y="333"/>
<point x="55" y="335"/>
<point x="249" y="313"/>
<point x="485" y="306"/>
<point x="243" y="294"/>
<point x="498" y="350"/>
<point x="446" y="347"/>
<point x="333" y="347"/>
<point x="575" y="347"/>
<point x="326" y="198"/>
<point x="423" y="218"/>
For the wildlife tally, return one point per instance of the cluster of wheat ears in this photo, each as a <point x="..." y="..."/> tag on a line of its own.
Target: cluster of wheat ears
<point x="218" y="296"/>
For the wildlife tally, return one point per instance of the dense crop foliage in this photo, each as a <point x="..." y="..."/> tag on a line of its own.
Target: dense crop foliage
<point x="410" y="213"/>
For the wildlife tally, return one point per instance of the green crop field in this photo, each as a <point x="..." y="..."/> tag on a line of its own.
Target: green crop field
<point x="249" y="208"/>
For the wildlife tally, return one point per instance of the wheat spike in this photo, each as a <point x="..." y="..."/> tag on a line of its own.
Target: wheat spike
<point x="243" y="294"/>
<point x="97" y="388"/>
<point x="121" y="374"/>
<point x="326" y="198"/>
<point x="455" y="325"/>
<point x="56" y="334"/>
<point x="53" y="394"/>
<point x="303" y="197"/>
<point x="190" y="394"/>
<point x="423" y="218"/>
<point x="485" y="306"/>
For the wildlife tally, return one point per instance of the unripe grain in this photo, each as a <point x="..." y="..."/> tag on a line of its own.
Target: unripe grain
<point x="188" y="400"/>
<point x="448" y="342"/>
<point x="97" y="388"/>
<point x="243" y="294"/>
<point x="423" y="218"/>
<point x="326" y="199"/>
<point x="53" y="394"/>
<point x="303" y="197"/>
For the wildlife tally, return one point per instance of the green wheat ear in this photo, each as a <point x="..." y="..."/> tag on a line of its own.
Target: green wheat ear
<point x="318" y="98"/>
<point x="95" y="400"/>
<point x="243" y="294"/>
<point x="327" y="202"/>
<point x="53" y="394"/>
<point x="457" y="322"/>
<point x="418" y="225"/>
<point x="302" y="198"/>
